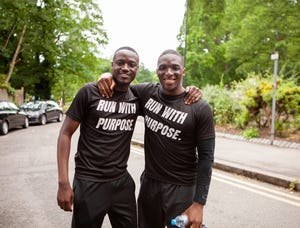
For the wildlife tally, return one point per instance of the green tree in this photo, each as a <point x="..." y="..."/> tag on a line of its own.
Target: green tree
<point x="258" y="29"/>
<point x="145" y="75"/>
<point x="204" y="42"/>
<point x="227" y="39"/>
<point x="59" y="34"/>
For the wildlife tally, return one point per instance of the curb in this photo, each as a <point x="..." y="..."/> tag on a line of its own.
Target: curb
<point x="279" y="143"/>
<point x="271" y="178"/>
<point x="267" y="177"/>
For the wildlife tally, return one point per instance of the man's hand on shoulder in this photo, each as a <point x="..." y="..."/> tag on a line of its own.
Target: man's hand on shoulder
<point x="106" y="85"/>
<point x="193" y="94"/>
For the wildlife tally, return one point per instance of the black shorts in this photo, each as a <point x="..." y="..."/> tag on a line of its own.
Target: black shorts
<point x="159" y="202"/>
<point x="93" y="200"/>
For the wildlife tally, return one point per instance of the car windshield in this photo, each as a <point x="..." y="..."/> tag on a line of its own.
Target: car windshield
<point x="7" y="106"/>
<point x="3" y="106"/>
<point x="31" y="106"/>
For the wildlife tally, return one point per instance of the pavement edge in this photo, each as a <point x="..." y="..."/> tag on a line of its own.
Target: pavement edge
<point x="271" y="178"/>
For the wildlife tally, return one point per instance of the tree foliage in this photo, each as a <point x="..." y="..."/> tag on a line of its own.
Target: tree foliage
<point x="59" y="46"/>
<point x="256" y="93"/>
<point x="248" y="103"/>
<point x="145" y="75"/>
<point x="226" y="39"/>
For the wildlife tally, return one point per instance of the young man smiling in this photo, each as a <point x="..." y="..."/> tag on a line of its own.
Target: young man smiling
<point x="102" y="184"/>
<point x="179" y="147"/>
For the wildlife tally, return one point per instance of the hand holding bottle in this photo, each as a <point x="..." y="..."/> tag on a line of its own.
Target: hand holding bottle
<point x="181" y="221"/>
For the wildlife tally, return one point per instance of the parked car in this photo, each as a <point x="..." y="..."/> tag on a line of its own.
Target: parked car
<point x="11" y="117"/>
<point x="42" y="112"/>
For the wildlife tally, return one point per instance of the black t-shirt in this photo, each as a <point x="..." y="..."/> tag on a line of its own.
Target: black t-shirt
<point x="106" y="128"/>
<point x="173" y="131"/>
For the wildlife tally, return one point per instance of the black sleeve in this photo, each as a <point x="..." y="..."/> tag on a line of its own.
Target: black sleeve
<point x="77" y="108"/>
<point x="204" y="169"/>
<point x="142" y="89"/>
<point x="138" y="89"/>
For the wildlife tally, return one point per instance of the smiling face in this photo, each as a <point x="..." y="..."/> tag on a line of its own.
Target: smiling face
<point x="170" y="71"/>
<point x="124" y="68"/>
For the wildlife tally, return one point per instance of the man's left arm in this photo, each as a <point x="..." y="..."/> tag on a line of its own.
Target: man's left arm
<point x="106" y="86"/>
<point x="193" y="94"/>
<point x="204" y="171"/>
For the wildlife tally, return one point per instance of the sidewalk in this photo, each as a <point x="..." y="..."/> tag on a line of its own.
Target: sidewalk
<point x="278" y="164"/>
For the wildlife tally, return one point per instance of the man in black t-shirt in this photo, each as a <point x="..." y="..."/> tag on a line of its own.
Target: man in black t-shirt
<point x="102" y="184"/>
<point x="179" y="148"/>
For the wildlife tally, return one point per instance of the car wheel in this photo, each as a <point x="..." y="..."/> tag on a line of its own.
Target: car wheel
<point x="4" y="128"/>
<point x="26" y="123"/>
<point x="60" y="117"/>
<point x="43" y="120"/>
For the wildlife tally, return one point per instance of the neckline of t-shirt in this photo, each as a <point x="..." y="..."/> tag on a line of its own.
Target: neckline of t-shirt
<point x="169" y="97"/>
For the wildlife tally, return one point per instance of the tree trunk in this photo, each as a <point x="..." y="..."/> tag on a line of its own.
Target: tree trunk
<point x="9" y="36"/>
<point x="14" y="60"/>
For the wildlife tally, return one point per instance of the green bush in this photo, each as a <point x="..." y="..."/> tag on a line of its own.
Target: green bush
<point x="10" y="90"/>
<point x="242" y="120"/>
<point x="287" y="102"/>
<point x="225" y="106"/>
<point x="2" y="79"/>
<point x="256" y="94"/>
<point x="249" y="103"/>
<point x="250" y="133"/>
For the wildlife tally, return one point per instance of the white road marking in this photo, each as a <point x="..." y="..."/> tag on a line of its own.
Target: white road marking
<point x="255" y="186"/>
<point x="260" y="190"/>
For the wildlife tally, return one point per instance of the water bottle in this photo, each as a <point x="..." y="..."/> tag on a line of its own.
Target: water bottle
<point x="181" y="221"/>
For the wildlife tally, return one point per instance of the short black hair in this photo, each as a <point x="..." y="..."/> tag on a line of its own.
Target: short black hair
<point x="170" y="51"/>
<point x="126" y="48"/>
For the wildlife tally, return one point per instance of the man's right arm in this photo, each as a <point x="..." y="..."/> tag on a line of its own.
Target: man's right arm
<point x="65" y="193"/>
<point x="106" y="85"/>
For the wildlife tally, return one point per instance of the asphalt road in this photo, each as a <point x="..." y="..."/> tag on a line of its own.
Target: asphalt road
<point x="28" y="182"/>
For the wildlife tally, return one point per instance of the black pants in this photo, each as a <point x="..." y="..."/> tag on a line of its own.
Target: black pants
<point x="159" y="202"/>
<point x="93" y="200"/>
